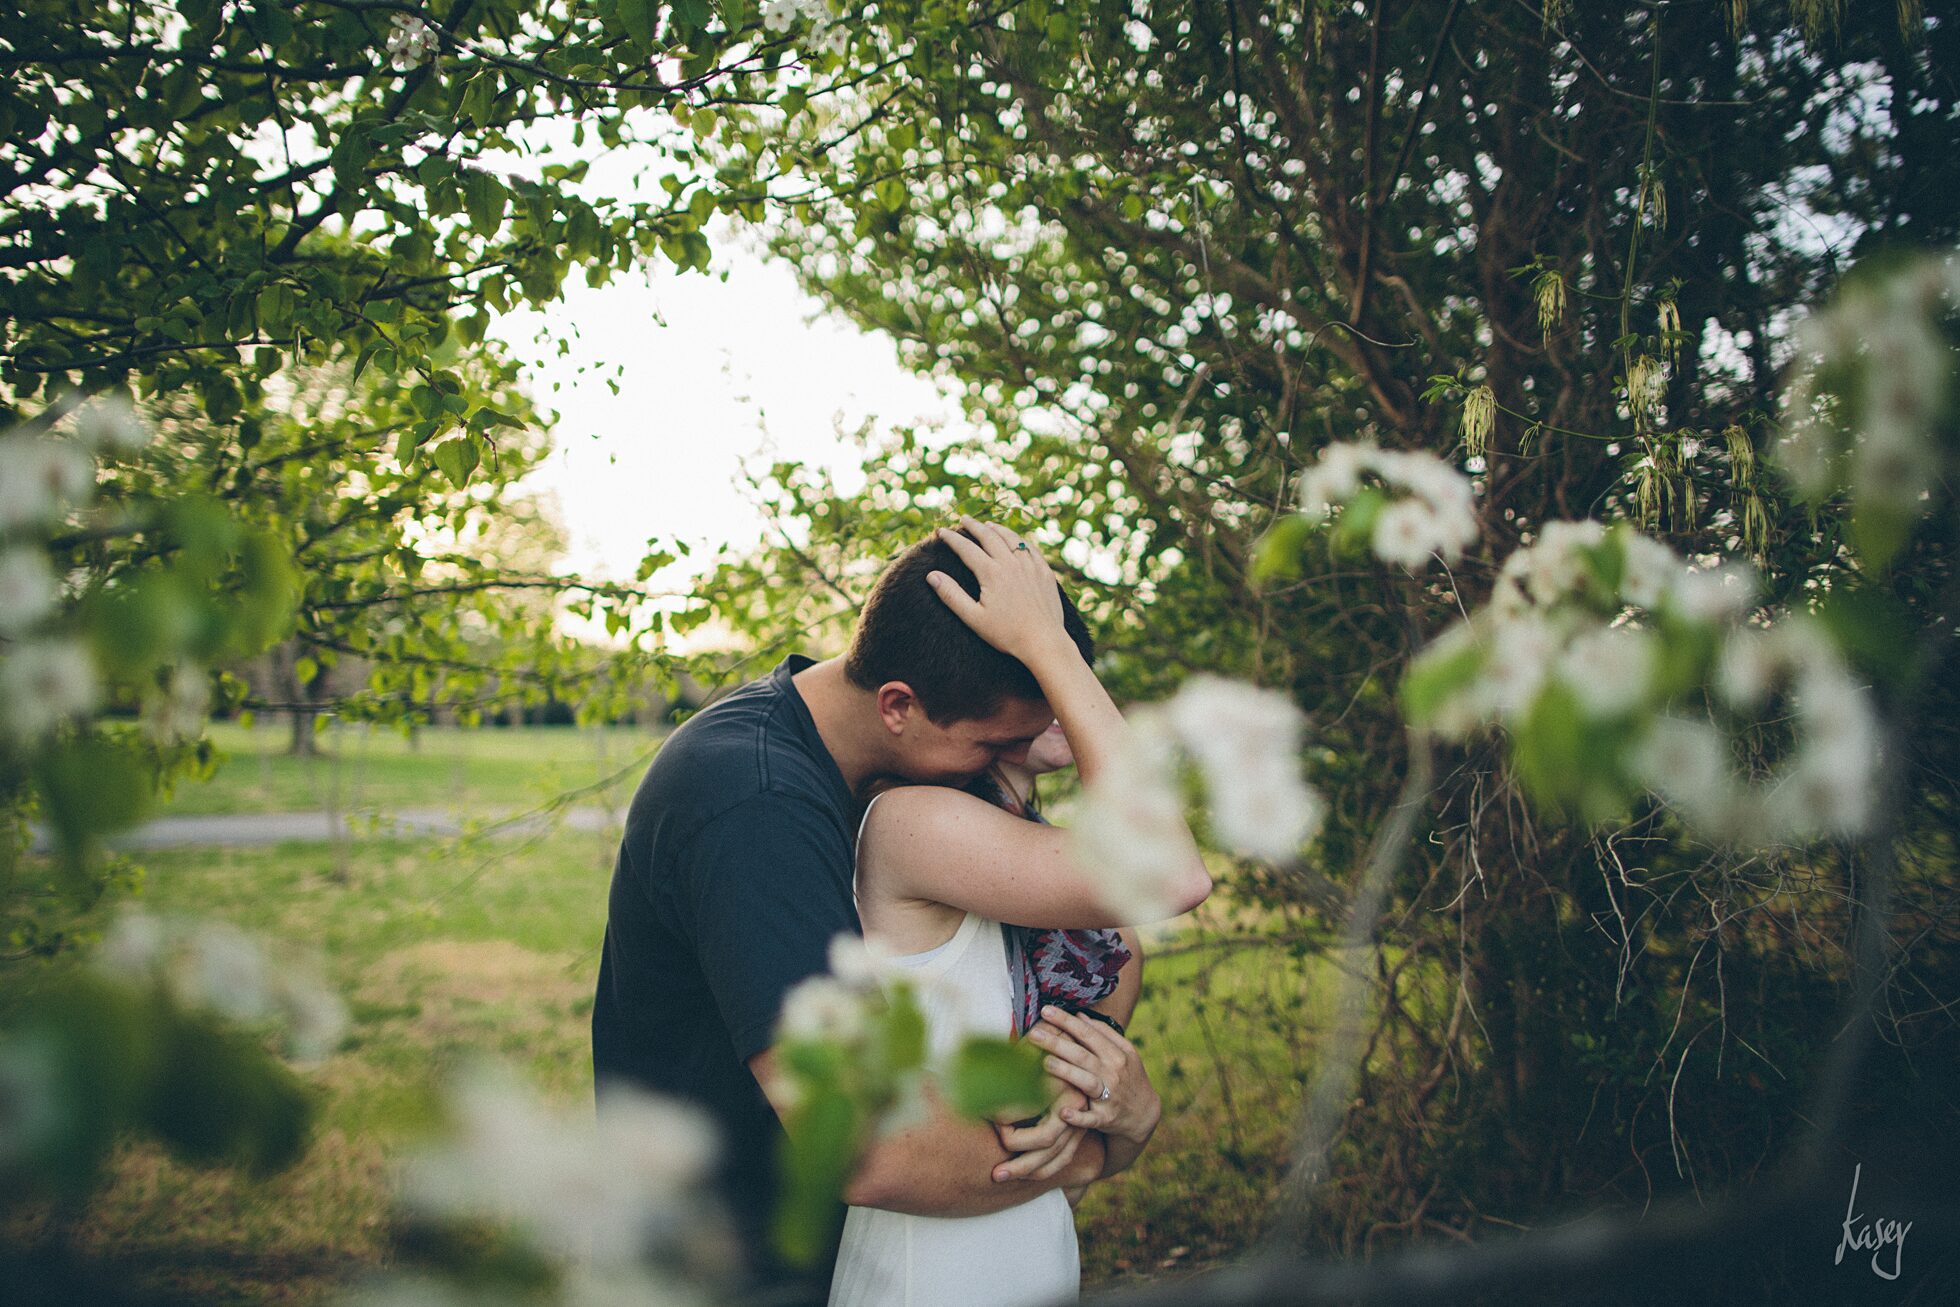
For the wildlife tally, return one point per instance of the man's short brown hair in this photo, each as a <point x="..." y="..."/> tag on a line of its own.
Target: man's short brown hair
<point x="907" y="633"/>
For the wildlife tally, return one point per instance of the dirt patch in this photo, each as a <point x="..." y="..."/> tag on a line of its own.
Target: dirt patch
<point x="462" y="991"/>
<point x="480" y="971"/>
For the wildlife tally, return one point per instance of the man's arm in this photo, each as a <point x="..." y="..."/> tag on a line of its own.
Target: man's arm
<point x="945" y="1167"/>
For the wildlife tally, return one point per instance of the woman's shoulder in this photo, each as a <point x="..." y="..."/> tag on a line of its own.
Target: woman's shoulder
<point x="915" y="803"/>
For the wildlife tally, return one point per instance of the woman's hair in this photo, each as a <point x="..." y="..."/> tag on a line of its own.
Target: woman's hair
<point x="907" y="633"/>
<point x="992" y="786"/>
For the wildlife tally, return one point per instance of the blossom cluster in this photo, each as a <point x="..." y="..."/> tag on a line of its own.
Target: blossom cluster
<point x="46" y="677"/>
<point x="1245" y="742"/>
<point x="411" y="42"/>
<point x="778" y="16"/>
<point x="619" y="1204"/>
<point x="1422" y="509"/>
<point x="834" y="1006"/>
<point x="1617" y="626"/>
<point x="216" y="967"/>
<point x="1826" y="785"/>
<point x="1874" y="374"/>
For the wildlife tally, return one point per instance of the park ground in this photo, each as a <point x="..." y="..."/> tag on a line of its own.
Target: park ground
<point x="446" y="948"/>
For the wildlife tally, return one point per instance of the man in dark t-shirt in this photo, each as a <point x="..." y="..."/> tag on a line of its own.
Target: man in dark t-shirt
<point x="735" y="872"/>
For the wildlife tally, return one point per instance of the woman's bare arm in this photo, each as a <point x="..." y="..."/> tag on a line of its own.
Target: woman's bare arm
<point x="946" y="846"/>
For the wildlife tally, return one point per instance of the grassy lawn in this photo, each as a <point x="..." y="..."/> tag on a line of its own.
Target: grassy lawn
<point x="447" y="950"/>
<point x="363" y="768"/>
<point x="441" y="955"/>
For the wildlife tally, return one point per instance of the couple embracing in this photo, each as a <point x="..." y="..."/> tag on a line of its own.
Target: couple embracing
<point x="889" y="793"/>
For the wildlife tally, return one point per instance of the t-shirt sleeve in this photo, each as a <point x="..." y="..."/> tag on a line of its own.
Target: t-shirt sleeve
<point x="767" y="886"/>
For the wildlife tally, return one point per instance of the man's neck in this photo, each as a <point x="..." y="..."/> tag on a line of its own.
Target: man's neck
<point x="846" y="719"/>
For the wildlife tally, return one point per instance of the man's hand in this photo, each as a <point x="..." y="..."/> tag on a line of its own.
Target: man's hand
<point x="1019" y="611"/>
<point x="1042" y="1150"/>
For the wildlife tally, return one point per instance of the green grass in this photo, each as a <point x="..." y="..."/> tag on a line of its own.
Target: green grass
<point x="364" y="768"/>
<point x="1226" y="1027"/>
<point x="442" y="953"/>
<point x="448" y="950"/>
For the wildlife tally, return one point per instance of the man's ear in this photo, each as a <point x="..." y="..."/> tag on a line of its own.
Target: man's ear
<point x="898" y="707"/>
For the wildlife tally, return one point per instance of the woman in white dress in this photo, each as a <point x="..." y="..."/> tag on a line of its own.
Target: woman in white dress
<point x="938" y="871"/>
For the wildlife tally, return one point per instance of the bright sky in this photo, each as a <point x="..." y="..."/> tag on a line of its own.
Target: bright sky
<point x="711" y="374"/>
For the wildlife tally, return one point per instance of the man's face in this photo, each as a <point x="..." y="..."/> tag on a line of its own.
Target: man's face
<point x="957" y="752"/>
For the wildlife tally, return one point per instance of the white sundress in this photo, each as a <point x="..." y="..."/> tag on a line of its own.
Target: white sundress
<point x="1024" y="1256"/>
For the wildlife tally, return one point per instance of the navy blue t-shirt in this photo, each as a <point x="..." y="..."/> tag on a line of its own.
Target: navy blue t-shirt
<point x="733" y="876"/>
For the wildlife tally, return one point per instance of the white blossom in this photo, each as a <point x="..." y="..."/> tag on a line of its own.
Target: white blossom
<point x="858" y="961"/>
<point x="316" y="1019"/>
<point x="41" y="479"/>
<point x="822" y="1007"/>
<point x="1551" y="567"/>
<point x="1746" y="669"/>
<point x="1406" y="534"/>
<point x="215" y="967"/>
<point x="577" y="1190"/>
<point x="111" y="423"/>
<point x="1825" y="785"/>
<point x="834" y="39"/>
<point x="1463" y="710"/>
<point x="1246" y="742"/>
<point x="1874" y="373"/>
<point x="667" y="1143"/>
<point x="411" y="42"/>
<point x="181" y="708"/>
<point x="1649" y="571"/>
<point x="780" y="15"/>
<point x="1688" y="763"/>
<point x="44" y="683"/>
<point x="132" y="949"/>
<point x="1609" y="669"/>
<point x="1334" y="478"/>
<point x="1130" y="828"/>
<point x="1431" y="510"/>
<point x="28" y="592"/>
<point x="1266" y="812"/>
<point x="1724" y="593"/>
<point x="223" y="969"/>
<point x="1520" y="658"/>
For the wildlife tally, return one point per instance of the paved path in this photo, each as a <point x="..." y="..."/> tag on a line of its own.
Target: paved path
<point x="264" y="828"/>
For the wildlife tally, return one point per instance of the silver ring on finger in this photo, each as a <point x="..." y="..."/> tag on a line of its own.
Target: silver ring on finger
<point x="1103" y="1097"/>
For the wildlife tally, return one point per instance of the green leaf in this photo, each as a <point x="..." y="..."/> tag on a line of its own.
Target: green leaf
<point x="820" y="1146"/>
<point x="640" y="18"/>
<point x="1433" y="680"/>
<point x="1569" y="763"/>
<point x="480" y="99"/>
<point x="457" y="458"/>
<point x="484" y="199"/>
<point x="1278" y="553"/>
<point x="1355" y="527"/>
<point x="987" y="1078"/>
<point x="1873" y="628"/>
<point x="902" y="1029"/>
<point x="91" y="787"/>
<point x="689" y="17"/>
<point x="1879" y="531"/>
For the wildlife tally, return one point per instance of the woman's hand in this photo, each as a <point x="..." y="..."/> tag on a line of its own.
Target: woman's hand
<point x="1019" y="611"/>
<point x="1091" y="1057"/>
